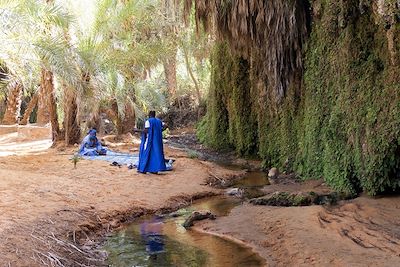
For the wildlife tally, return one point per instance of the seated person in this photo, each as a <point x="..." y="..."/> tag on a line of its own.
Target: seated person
<point x="91" y="146"/>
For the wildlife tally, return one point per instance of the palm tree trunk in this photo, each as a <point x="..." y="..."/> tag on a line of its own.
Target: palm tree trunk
<point x="169" y="9"/>
<point x="43" y="113"/>
<point x="191" y="74"/>
<point x="47" y="106"/>
<point x="3" y="106"/>
<point x="32" y="104"/>
<point x="13" y="104"/>
<point x="72" y="131"/>
<point x="170" y="75"/>
<point x="128" y="123"/>
<point x="116" y="117"/>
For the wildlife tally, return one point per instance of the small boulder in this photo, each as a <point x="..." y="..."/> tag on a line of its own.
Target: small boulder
<point x="198" y="216"/>
<point x="234" y="192"/>
<point x="286" y="199"/>
<point x="273" y="173"/>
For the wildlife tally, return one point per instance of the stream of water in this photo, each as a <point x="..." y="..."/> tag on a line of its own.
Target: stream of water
<point x="163" y="241"/>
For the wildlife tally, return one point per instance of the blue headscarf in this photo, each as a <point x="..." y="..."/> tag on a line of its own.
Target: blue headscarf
<point x="92" y="132"/>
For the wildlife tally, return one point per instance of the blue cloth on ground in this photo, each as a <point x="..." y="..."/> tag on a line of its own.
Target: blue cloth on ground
<point x="120" y="158"/>
<point x="151" y="155"/>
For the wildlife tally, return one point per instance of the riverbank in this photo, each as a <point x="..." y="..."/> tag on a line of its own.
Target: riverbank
<point x="53" y="213"/>
<point x="359" y="232"/>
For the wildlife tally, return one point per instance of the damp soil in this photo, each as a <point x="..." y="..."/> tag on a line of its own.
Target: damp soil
<point x="186" y="140"/>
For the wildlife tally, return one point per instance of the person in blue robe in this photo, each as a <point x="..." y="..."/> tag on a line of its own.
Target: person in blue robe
<point x="151" y="153"/>
<point x="91" y="146"/>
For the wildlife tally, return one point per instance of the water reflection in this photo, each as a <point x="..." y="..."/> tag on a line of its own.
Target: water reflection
<point x="253" y="179"/>
<point x="156" y="241"/>
<point x="219" y="205"/>
<point x="165" y="242"/>
<point x="151" y="232"/>
<point x="146" y="244"/>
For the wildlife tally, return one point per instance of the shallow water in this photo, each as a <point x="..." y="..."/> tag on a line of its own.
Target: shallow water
<point x="253" y="180"/>
<point x="252" y="184"/>
<point x="176" y="246"/>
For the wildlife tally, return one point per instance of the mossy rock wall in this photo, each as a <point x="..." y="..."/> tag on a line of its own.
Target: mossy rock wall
<point x="230" y="121"/>
<point x="339" y="120"/>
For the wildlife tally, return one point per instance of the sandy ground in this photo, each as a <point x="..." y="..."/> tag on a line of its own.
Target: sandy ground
<point x="360" y="232"/>
<point x="52" y="214"/>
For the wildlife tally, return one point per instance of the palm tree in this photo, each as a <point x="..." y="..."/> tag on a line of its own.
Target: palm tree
<point x="97" y="67"/>
<point x="29" y="109"/>
<point x="170" y="31"/>
<point x="13" y="103"/>
<point x="127" y="40"/>
<point x="271" y="33"/>
<point x="32" y="52"/>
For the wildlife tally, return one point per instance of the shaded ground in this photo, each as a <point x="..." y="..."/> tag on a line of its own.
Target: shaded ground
<point x="185" y="139"/>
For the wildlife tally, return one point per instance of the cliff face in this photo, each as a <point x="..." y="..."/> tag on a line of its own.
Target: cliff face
<point x="332" y="112"/>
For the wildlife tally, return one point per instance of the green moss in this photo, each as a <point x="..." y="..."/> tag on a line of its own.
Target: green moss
<point x="339" y="121"/>
<point x="354" y="132"/>
<point x="229" y="121"/>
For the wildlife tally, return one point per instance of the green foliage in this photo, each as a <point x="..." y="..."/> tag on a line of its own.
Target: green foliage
<point x="352" y="113"/>
<point x="75" y="159"/>
<point x="166" y="133"/>
<point x="32" y="36"/>
<point x="230" y="121"/>
<point x="193" y="154"/>
<point x="340" y="121"/>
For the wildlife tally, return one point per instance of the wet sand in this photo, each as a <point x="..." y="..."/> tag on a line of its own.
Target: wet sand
<point x="359" y="232"/>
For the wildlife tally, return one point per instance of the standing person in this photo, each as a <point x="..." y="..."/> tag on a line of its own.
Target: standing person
<point x="151" y="154"/>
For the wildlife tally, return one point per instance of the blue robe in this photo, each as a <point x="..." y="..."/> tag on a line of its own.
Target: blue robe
<point x="151" y="155"/>
<point x="90" y="148"/>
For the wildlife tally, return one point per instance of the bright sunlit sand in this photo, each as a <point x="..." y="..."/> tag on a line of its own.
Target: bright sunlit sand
<point x="26" y="140"/>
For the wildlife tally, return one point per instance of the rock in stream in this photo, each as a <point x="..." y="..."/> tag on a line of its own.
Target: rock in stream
<point x="198" y="216"/>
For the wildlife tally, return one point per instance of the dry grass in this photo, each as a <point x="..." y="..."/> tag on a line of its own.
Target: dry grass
<point x="270" y="33"/>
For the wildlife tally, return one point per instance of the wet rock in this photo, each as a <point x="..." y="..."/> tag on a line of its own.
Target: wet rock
<point x="273" y="173"/>
<point x="235" y="192"/>
<point x="250" y="193"/>
<point x="286" y="199"/>
<point x="198" y="216"/>
<point x="283" y="199"/>
<point x="179" y="213"/>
